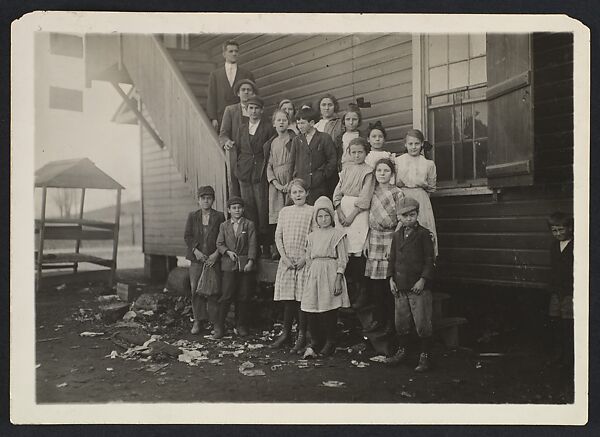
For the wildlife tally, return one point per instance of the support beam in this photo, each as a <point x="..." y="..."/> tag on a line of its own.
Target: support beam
<point x="115" y="238"/>
<point x="41" y="242"/>
<point x="139" y="115"/>
<point x="78" y="243"/>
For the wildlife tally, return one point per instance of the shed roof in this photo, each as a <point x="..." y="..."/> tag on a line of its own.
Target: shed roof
<point x="74" y="173"/>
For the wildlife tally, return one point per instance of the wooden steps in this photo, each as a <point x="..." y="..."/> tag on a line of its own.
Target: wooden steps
<point x="195" y="66"/>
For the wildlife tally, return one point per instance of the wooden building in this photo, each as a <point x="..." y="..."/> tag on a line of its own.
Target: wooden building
<point x="498" y="109"/>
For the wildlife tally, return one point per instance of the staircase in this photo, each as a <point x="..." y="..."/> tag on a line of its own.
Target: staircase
<point x="195" y="67"/>
<point x="173" y="86"/>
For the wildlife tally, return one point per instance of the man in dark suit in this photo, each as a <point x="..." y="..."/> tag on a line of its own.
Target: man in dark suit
<point x="221" y="81"/>
<point x="233" y="118"/>
<point x="254" y="132"/>
<point x="201" y="231"/>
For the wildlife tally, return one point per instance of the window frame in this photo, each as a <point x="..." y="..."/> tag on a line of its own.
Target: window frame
<point x="452" y="187"/>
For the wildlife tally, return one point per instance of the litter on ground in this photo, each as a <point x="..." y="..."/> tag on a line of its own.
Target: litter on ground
<point x="378" y="359"/>
<point x="359" y="364"/>
<point x="91" y="334"/>
<point x="333" y="384"/>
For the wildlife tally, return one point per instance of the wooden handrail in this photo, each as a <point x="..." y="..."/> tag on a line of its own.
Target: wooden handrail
<point x="174" y="111"/>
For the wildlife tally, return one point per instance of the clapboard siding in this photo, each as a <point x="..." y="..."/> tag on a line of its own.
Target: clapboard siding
<point x="166" y="200"/>
<point x="377" y="67"/>
<point x="553" y="98"/>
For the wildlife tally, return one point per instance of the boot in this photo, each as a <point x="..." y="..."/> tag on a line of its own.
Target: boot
<point x="274" y="252"/>
<point x="300" y="343"/>
<point x="242" y="322"/>
<point x="220" y="320"/>
<point x="424" y="364"/>
<point x="330" y="331"/>
<point x="397" y="358"/>
<point x="286" y="335"/>
<point x="424" y="361"/>
<point x="196" y="328"/>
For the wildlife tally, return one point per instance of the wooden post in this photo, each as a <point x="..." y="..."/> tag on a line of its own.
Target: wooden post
<point x="78" y="243"/>
<point x="41" y="242"/>
<point x="115" y="237"/>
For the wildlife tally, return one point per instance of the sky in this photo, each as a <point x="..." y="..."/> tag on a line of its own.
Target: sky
<point x="62" y="134"/>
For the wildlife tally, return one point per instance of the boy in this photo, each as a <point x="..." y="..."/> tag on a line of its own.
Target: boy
<point x="237" y="245"/>
<point x="201" y="231"/>
<point x="313" y="156"/>
<point x="561" y="287"/>
<point x="251" y="169"/>
<point x="410" y="273"/>
<point x="233" y="119"/>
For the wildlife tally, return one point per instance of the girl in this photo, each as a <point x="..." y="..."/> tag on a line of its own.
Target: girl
<point x="288" y="106"/>
<point x="352" y="119"/>
<point x="351" y="199"/>
<point x="330" y="123"/>
<point x="325" y="290"/>
<point x="416" y="176"/>
<point x="292" y="230"/>
<point x="376" y="136"/>
<point x="278" y="153"/>
<point x="383" y="220"/>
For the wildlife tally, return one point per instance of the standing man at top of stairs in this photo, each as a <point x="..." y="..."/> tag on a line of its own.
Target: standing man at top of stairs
<point x="220" y="83"/>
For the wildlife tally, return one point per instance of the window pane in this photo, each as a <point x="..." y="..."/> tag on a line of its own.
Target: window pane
<point x="438" y="100"/>
<point x="458" y="47"/>
<point x="480" y="119"/>
<point x="456" y="124"/>
<point x="477" y="71"/>
<point x="442" y="120"/>
<point x="477" y="45"/>
<point x="459" y="74"/>
<point x="67" y="99"/>
<point x="467" y="160"/>
<point x="438" y="79"/>
<point x="438" y="50"/>
<point x="443" y="162"/>
<point x="480" y="158"/>
<point x="467" y="122"/>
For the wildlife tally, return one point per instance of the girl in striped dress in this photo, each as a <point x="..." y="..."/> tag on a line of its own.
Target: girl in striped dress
<point x="383" y="221"/>
<point x="293" y="226"/>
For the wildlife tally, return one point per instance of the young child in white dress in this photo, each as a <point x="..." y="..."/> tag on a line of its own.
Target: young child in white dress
<point x="417" y="176"/>
<point x="291" y="234"/>
<point x="325" y="290"/>
<point x="351" y="199"/>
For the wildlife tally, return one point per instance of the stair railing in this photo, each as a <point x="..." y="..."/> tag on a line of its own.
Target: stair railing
<point x="179" y="119"/>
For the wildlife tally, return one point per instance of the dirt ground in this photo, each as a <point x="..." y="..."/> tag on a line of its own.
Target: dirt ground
<point x="72" y="368"/>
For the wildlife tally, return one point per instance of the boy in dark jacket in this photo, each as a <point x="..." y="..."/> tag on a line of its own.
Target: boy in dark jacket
<point x="561" y="288"/>
<point x="238" y="248"/>
<point x="410" y="272"/>
<point x="201" y="230"/>
<point x="313" y="156"/>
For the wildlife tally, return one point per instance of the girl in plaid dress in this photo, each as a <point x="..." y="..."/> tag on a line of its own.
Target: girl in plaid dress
<point x="293" y="226"/>
<point x="383" y="221"/>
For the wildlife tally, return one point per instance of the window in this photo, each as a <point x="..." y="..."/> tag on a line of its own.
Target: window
<point x="66" y="45"/>
<point x="456" y="110"/>
<point x="67" y="99"/>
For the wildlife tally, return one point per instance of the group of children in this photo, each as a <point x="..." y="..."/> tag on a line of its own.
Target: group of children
<point x="341" y="207"/>
<point x="333" y="205"/>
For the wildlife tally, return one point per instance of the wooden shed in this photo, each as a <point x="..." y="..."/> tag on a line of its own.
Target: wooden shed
<point x="497" y="107"/>
<point x="75" y="174"/>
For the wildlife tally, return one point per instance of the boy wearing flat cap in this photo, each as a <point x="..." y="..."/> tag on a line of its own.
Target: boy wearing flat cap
<point x="251" y="169"/>
<point x="233" y="118"/>
<point x="411" y="265"/>
<point x="201" y="231"/>
<point x="237" y="245"/>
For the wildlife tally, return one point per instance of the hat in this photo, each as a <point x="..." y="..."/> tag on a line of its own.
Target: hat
<point x="255" y="100"/>
<point x="325" y="203"/>
<point x="235" y="200"/>
<point x="407" y="204"/>
<point x="206" y="190"/>
<point x="239" y="83"/>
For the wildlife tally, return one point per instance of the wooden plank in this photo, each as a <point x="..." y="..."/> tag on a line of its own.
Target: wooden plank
<point x="502" y="209"/>
<point x="497" y="272"/>
<point x="83" y="222"/>
<point x="558" y="106"/>
<point x="57" y="258"/>
<point x="500" y="240"/>
<point x="549" y="92"/>
<point x="497" y="224"/>
<point x="522" y="257"/>
<point x="189" y="55"/>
